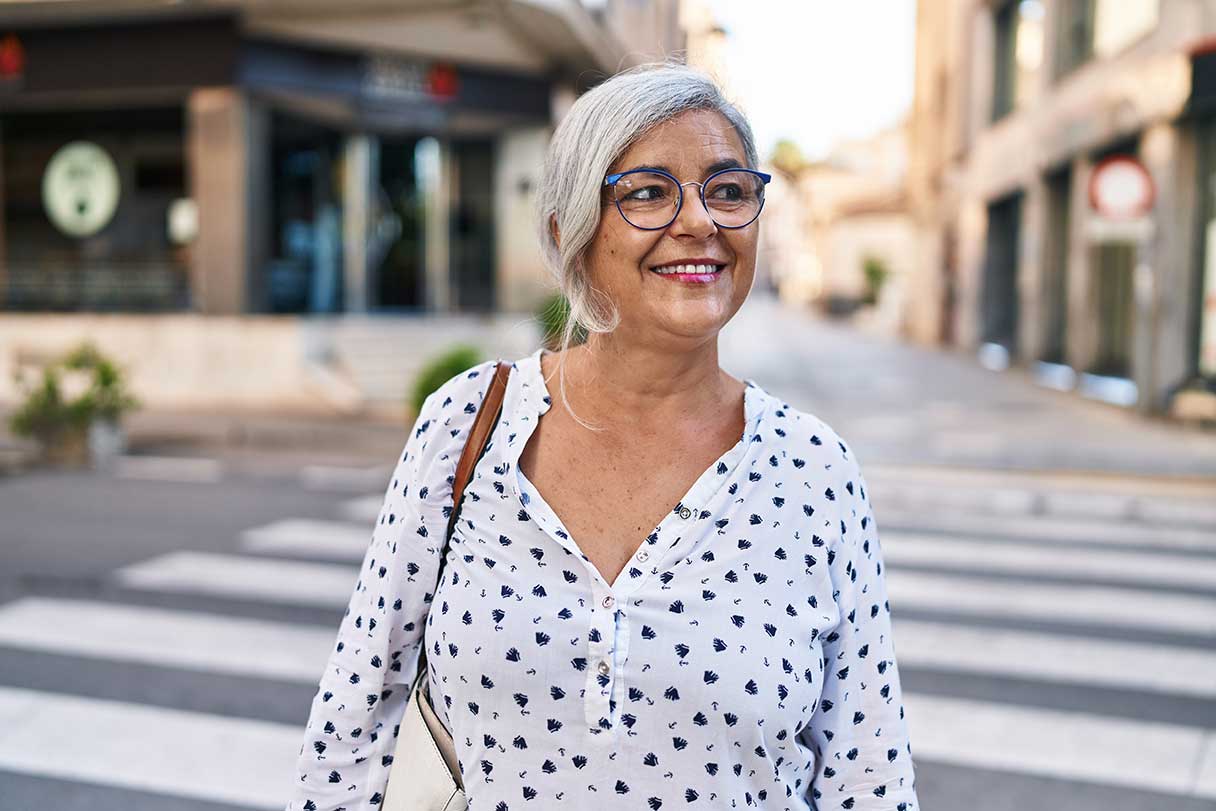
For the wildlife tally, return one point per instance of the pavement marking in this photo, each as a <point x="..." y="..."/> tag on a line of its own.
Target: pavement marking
<point x="365" y="509"/>
<point x="1190" y="506"/>
<point x="1134" y="609"/>
<point x="168" y="638"/>
<point x="344" y="479"/>
<point x="218" y="759"/>
<point x="168" y="469"/>
<point x="336" y="540"/>
<point x="1068" y="745"/>
<point x="278" y="581"/>
<point x="1196" y="512"/>
<point x="249" y="763"/>
<point x="1055" y="658"/>
<point x="1040" y="528"/>
<point x="887" y="494"/>
<point x="1158" y="567"/>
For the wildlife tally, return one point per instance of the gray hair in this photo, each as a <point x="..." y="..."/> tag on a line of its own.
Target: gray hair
<point x="600" y="126"/>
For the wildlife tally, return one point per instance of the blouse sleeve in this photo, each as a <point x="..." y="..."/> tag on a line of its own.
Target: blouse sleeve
<point x="352" y="726"/>
<point x="858" y="731"/>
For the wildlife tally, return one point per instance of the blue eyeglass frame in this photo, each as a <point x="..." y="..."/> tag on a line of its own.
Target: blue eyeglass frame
<point x="611" y="180"/>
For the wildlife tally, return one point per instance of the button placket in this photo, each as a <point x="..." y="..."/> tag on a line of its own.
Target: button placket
<point x="599" y="657"/>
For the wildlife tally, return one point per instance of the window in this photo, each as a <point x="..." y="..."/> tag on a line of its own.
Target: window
<point x="1100" y="28"/>
<point x="1074" y="34"/>
<point x="1018" y="54"/>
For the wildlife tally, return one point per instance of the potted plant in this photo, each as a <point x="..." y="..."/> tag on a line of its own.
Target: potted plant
<point x="83" y="429"/>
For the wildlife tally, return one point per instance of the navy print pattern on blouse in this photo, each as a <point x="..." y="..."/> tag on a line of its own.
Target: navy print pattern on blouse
<point x="743" y="657"/>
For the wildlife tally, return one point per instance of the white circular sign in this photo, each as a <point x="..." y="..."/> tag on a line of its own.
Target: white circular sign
<point x="80" y="189"/>
<point x="1121" y="188"/>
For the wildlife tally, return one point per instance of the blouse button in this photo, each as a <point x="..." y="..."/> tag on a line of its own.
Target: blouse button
<point x="607" y="601"/>
<point x="603" y="668"/>
<point x="643" y="555"/>
<point x="685" y="512"/>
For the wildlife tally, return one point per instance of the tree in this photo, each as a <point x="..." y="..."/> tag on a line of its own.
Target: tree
<point x="788" y="157"/>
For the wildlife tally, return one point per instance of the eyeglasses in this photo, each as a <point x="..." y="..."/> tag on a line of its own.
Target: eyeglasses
<point x="651" y="199"/>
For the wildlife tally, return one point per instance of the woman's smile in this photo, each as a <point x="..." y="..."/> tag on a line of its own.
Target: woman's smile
<point x="692" y="270"/>
<point x="691" y="274"/>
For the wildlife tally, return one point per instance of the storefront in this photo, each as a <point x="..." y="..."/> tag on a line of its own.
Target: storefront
<point x="196" y="166"/>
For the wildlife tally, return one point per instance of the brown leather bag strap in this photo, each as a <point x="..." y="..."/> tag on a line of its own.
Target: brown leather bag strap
<point x="474" y="448"/>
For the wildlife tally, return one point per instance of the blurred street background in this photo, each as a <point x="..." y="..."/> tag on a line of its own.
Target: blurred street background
<point x="239" y="239"/>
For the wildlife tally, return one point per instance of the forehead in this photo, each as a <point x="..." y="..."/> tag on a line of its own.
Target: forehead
<point x="689" y="142"/>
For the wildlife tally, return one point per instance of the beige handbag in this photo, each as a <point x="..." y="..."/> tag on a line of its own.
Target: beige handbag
<point x="424" y="774"/>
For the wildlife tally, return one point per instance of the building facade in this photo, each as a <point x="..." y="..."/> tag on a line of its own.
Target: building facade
<point x="282" y="157"/>
<point x="295" y="169"/>
<point x="1016" y="104"/>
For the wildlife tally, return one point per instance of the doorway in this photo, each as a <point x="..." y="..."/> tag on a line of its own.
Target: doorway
<point x="1114" y="265"/>
<point x="1000" y="283"/>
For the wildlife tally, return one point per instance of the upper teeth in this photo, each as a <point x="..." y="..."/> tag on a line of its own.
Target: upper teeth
<point x="687" y="269"/>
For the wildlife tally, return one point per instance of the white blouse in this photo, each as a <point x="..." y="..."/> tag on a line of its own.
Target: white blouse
<point x="742" y="658"/>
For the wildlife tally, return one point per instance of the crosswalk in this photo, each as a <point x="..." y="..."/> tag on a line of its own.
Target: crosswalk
<point x="1071" y="640"/>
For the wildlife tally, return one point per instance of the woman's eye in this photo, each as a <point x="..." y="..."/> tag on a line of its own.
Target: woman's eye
<point x="727" y="191"/>
<point x="646" y="193"/>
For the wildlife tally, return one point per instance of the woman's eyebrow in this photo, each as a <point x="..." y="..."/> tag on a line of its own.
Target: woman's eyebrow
<point x="728" y="163"/>
<point x="648" y="168"/>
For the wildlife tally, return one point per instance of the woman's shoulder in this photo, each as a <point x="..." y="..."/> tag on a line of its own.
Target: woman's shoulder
<point x="447" y="413"/>
<point x="461" y="394"/>
<point x="803" y="434"/>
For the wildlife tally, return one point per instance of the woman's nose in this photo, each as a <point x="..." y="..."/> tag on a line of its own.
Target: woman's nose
<point x="693" y="217"/>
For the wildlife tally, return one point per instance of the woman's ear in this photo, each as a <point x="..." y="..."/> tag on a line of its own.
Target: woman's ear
<point x="553" y="229"/>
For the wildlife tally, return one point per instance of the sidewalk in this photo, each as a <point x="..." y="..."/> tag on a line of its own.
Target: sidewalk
<point x="901" y="404"/>
<point x="898" y="405"/>
<point x="250" y="441"/>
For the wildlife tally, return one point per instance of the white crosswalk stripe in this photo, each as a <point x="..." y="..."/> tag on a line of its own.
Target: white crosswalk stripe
<point x="1159" y="567"/>
<point x="957" y="566"/>
<point x="1047" y="528"/>
<point x="335" y="540"/>
<point x="126" y="745"/>
<point x="343" y="479"/>
<point x="237" y="576"/>
<point x="365" y="509"/>
<point x="157" y="636"/>
<point x="1055" y="658"/>
<point x="1061" y="495"/>
<point x="973" y="595"/>
<point x="1068" y="745"/>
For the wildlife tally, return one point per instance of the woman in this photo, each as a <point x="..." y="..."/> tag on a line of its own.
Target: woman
<point x="679" y="603"/>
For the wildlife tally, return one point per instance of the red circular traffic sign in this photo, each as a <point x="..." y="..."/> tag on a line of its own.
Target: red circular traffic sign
<point x="1121" y="188"/>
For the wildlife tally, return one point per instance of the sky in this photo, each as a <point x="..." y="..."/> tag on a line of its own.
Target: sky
<point x="819" y="71"/>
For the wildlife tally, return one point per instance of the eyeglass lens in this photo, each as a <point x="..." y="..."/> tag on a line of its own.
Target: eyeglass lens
<point x="650" y="200"/>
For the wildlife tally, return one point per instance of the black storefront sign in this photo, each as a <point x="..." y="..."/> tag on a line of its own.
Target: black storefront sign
<point x="49" y="65"/>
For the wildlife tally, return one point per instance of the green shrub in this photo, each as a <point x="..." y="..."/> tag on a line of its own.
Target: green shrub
<point x="876" y="273"/>
<point x="45" y="414"/>
<point x="439" y="370"/>
<point x="552" y="315"/>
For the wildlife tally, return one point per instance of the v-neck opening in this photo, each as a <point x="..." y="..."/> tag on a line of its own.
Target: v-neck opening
<point x="695" y="500"/>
